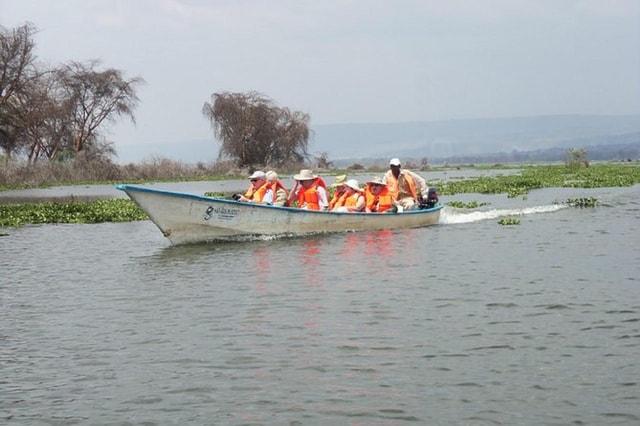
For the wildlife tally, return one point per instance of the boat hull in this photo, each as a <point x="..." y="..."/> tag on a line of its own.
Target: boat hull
<point x="188" y="218"/>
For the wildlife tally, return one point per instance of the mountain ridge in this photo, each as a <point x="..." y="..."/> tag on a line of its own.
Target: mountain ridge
<point x="439" y="141"/>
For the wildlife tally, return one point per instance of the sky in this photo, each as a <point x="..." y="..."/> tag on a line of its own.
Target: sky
<point x="349" y="61"/>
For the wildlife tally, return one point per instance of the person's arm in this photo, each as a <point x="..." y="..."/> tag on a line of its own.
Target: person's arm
<point x="293" y="195"/>
<point x="322" y="198"/>
<point x="280" y="197"/>
<point x="421" y="183"/>
<point x="360" y="204"/>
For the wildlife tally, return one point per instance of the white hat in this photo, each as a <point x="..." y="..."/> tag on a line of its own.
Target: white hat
<point x="394" y="162"/>
<point x="258" y="175"/>
<point x="353" y="184"/>
<point x="377" y="180"/>
<point x="271" y="176"/>
<point x="305" y="175"/>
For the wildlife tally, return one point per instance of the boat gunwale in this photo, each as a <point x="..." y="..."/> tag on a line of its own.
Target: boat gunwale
<point x="125" y="188"/>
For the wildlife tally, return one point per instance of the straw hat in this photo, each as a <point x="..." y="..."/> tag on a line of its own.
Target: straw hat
<point x="375" y="180"/>
<point x="258" y="174"/>
<point x="339" y="181"/>
<point x="305" y="174"/>
<point x="353" y="184"/>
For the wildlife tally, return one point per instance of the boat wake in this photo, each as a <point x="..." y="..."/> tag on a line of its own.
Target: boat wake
<point x="454" y="216"/>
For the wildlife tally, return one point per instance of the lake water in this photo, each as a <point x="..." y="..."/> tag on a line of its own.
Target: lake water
<point x="467" y="322"/>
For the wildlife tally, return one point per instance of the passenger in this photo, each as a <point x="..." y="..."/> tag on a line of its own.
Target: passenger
<point x="338" y="190"/>
<point x="280" y="193"/>
<point x="377" y="196"/>
<point x="259" y="190"/>
<point x="310" y="191"/>
<point x="353" y="198"/>
<point x="404" y="185"/>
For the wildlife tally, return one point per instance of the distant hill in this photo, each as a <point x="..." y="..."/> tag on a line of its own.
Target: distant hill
<point x="542" y="138"/>
<point x="442" y="140"/>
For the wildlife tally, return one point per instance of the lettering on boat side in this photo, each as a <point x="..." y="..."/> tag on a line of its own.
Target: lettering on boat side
<point x="222" y="213"/>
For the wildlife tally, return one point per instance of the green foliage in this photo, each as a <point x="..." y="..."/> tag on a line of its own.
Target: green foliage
<point x="118" y="210"/>
<point x="506" y="221"/>
<point x="553" y="176"/>
<point x="470" y="205"/>
<point x="583" y="202"/>
<point x="217" y="194"/>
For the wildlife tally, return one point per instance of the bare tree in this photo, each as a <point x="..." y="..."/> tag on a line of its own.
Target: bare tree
<point x="93" y="97"/>
<point x="43" y="127"/>
<point x="323" y="161"/>
<point x="16" y="70"/>
<point x="254" y="131"/>
<point x="577" y="157"/>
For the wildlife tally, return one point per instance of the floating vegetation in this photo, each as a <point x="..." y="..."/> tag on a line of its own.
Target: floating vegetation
<point x="470" y="205"/>
<point x="216" y="194"/>
<point x="548" y="176"/>
<point x="509" y="221"/>
<point x="117" y="210"/>
<point x="583" y="202"/>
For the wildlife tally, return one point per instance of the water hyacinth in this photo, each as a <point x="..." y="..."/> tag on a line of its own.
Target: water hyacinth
<point x="118" y="210"/>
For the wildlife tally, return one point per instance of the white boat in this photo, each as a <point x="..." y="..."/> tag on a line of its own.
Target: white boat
<point x="189" y="218"/>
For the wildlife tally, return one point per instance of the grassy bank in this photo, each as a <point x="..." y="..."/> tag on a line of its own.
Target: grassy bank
<point x="531" y="177"/>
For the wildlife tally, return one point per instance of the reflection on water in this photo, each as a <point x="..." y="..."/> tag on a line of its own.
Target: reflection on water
<point x="460" y="323"/>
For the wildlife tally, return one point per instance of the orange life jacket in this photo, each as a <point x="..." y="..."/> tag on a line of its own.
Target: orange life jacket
<point x="336" y="200"/>
<point x="394" y="186"/>
<point x="378" y="203"/>
<point x="320" y="182"/>
<point x="309" y="196"/>
<point x="350" y="201"/>
<point x="256" y="195"/>
<point x="278" y="185"/>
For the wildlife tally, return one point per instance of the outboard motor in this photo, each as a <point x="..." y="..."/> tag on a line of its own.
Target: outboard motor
<point x="430" y="200"/>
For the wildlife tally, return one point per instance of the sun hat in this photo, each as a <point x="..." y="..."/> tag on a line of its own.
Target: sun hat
<point x="258" y="174"/>
<point x="375" y="180"/>
<point x="394" y="162"/>
<point x="305" y="174"/>
<point x="339" y="181"/>
<point x="353" y="184"/>
<point x="271" y="176"/>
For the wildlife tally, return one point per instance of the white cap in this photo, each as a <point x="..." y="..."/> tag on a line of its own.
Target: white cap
<point x="394" y="162"/>
<point x="258" y="175"/>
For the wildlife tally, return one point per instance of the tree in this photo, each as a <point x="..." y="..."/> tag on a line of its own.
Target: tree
<point x="45" y="112"/>
<point x="92" y="97"/>
<point x="577" y="157"/>
<point x="16" y="70"/>
<point x="254" y="131"/>
<point x="323" y="161"/>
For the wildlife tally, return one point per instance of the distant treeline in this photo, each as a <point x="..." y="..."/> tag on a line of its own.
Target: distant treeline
<point x="622" y="152"/>
<point x="613" y="152"/>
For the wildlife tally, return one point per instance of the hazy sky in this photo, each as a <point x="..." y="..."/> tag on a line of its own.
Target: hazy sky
<point x="350" y="60"/>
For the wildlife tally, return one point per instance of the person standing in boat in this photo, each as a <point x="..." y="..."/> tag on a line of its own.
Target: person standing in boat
<point x="377" y="196"/>
<point x="353" y="198"/>
<point x="259" y="190"/>
<point x="280" y="193"/>
<point x="404" y="185"/>
<point x="310" y="191"/>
